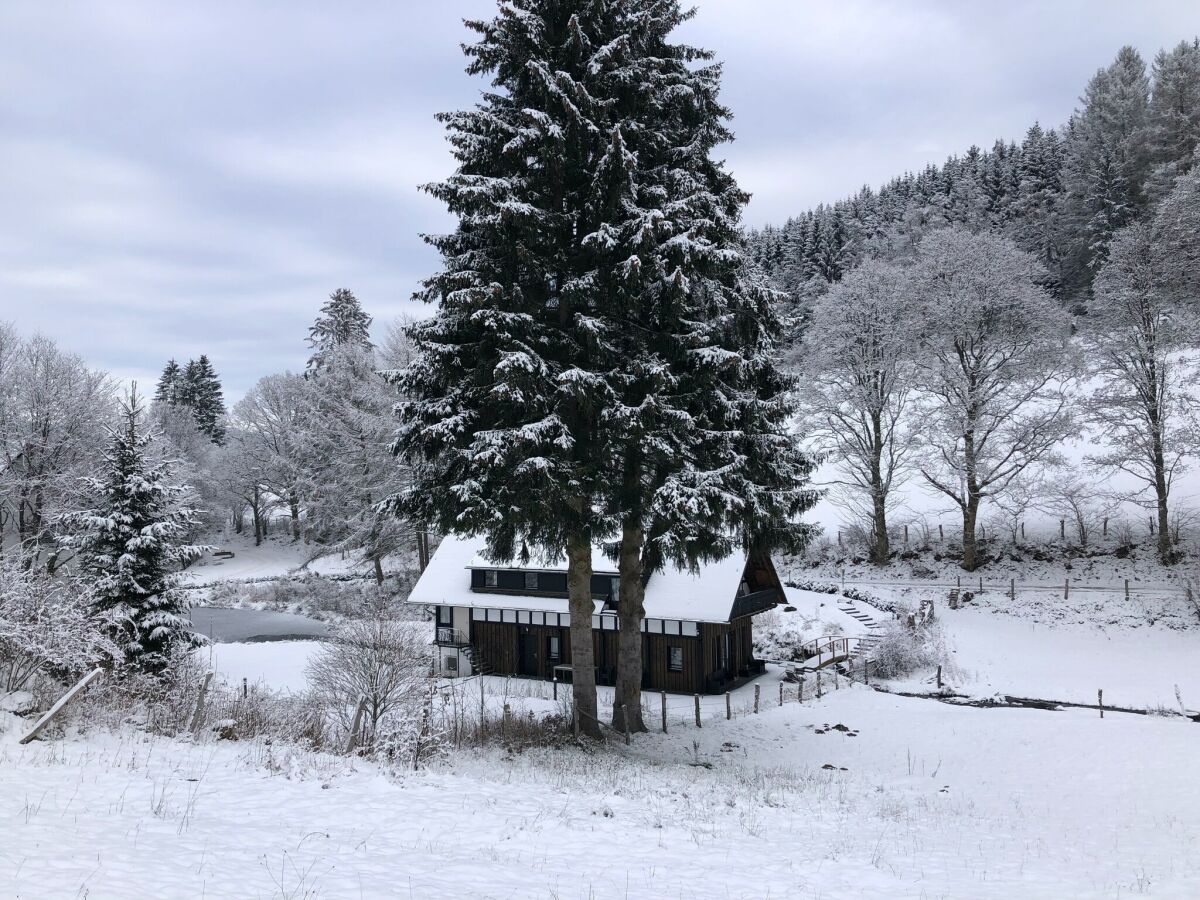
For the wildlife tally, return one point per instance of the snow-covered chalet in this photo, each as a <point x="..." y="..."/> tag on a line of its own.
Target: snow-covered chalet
<point x="512" y="619"/>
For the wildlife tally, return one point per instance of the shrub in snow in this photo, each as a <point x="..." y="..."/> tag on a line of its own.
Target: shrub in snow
<point x="46" y="627"/>
<point x="379" y="659"/>
<point x="902" y="650"/>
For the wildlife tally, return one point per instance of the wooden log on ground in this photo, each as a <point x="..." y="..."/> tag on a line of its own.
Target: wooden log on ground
<point x="58" y="706"/>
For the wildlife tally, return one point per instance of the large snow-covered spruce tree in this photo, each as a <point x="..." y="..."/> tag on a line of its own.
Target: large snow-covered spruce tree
<point x="699" y="460"/>
<point x="131" y="540"/>
<point x="599" y="364"/>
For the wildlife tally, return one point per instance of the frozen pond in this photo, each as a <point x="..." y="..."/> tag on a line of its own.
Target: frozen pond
<point x="230" y="626"/>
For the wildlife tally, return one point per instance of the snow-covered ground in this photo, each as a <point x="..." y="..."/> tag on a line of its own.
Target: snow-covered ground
<point x="278" y="556"/>
<point x="278" y="665"/>
<point x="915" y="799"/>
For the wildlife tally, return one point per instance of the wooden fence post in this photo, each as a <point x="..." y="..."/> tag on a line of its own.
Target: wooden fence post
<point x="352" y="740"/>
<point x="245" y="688"/>
<point x="1100" y="701"/>
<point x="941" y="532"/>
<point x="818" y="684"/>
<point x="664" y="711"/>
<point x="1066" y="588"/>
<point x="781" y="693"/>
<point x="939" y="678"/>
<point x="728" y="707"/>
<point x="756" y="699"/>
<point x="1062" y="528"/>
<point x="198" y="712"/>
<point x="59" y="704"/>
<point x="1012" y="589"/>
<point x="906" y="534"/>
<point x="1126" y="588"/>
<point x="504" y="721"/>
<point x="800" y="691"/>
<point x="697" y="697"/>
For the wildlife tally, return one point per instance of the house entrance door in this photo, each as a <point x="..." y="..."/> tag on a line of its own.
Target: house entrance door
<point x="528" y="662"/>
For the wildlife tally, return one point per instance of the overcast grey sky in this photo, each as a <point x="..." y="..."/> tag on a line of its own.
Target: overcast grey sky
<point x="185" y="178"/>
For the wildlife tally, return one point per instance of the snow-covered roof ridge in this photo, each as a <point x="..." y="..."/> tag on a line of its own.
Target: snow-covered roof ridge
<point x="706" y="595"/>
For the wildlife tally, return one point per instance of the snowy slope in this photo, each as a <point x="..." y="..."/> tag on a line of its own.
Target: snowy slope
<point x="921" y="800"/>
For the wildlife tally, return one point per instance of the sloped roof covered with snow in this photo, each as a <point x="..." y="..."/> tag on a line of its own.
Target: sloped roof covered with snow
<point x="706" y="595"/>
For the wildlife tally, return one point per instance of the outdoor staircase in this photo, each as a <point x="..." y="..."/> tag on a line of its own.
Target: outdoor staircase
<point x="479" y="665"/>
<point x="857" y="613"/>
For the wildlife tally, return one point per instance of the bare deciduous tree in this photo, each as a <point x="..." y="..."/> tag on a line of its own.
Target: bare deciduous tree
<point x="1142" y="405"/>
<point x="856" y="387"/>
<point x="993" y="366"/>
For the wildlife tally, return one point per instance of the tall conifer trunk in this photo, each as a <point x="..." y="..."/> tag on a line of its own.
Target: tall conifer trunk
<point x="627" y="701"/>
<point x="583" y="659"/>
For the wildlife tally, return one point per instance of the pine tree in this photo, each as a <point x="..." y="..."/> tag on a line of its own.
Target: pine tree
<point x="205" y="398"/>
<point x="342" y="322"/>
<point x="504" y="399"/>
<point x="1106" y="163"/>
<point x="168" y="384"/>
<point x="185" y="393"/>
<point x="131" y="539"/>
<point x="1174" y="119"/>
<point x="601" y="360"/>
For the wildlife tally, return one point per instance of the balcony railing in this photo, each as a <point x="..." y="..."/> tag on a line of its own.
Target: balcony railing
<point x="448" y="634"/>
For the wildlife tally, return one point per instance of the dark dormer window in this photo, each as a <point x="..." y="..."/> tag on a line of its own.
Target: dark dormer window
<point x="489" y="578"/>
<point x="531" y="581"/>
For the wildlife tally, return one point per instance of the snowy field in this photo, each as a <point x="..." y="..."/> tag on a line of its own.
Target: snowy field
<point x="917" y="799"/>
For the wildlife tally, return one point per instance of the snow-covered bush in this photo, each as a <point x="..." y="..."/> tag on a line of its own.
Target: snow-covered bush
<point x="902" y="650"/>
<point x="46" y="627"/>
<point x="383" y="661"/>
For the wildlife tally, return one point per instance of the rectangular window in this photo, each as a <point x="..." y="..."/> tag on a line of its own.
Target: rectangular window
<point x="537" y="618"/>
<point x="675" y="659"/>
<point x="564" y="620"/>
<point x="531" y="581"/>
<point x="445" y="615"/>
<point x="522" y="617"/>
<point x="510" y="616"/>
<point x="490" y="578"/>
<point x="608" y="623"/>
<point x="670" y="627"/>
<point x="451" y="663"/>
<point x="478" y="615"/>
<point x="493" y="615"/>
<point x="595" y="621"/>
<point x="555" y="648"/>
<point x="654" y="626"/>
<point x="690" y="629"/>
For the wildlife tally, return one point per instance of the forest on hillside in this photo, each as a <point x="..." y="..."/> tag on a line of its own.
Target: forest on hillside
<point x="958" y="326"/>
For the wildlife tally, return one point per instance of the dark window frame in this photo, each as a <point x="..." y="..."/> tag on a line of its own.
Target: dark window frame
<point x="554" y="648"/>
<point x="491" y="578"/>
<point x="674" y="658"/>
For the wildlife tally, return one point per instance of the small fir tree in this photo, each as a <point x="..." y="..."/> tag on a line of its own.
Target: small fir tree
<point x="168" y="384"/>
<point x="342" y="322"/>
<point x="131" y="540"/>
